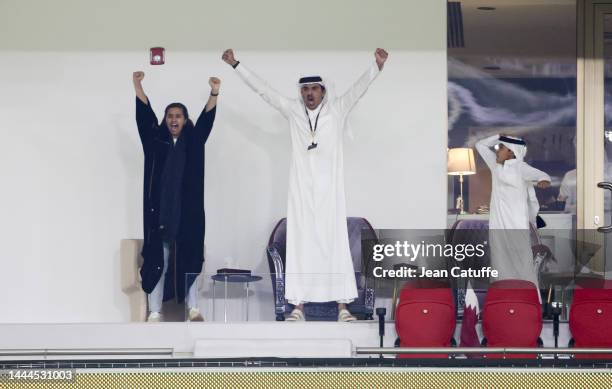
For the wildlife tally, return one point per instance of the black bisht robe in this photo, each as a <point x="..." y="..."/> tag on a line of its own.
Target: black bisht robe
<point x="189" y="244"/>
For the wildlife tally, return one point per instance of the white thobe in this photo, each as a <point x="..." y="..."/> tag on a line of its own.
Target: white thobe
<point x="510" y="213"/>
<point x="319" y="266"/>
<point x="567" y="190"/>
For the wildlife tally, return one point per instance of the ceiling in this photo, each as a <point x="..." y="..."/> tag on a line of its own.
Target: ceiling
<point x="199" y="25"/>
<point x="519" y="38"/>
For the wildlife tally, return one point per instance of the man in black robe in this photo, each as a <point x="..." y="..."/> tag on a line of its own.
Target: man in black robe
<point x="173" y="199"/>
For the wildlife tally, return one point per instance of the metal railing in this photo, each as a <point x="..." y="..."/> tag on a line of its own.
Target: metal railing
<point x="47" y="352"/>
<point x="481" y="350"/>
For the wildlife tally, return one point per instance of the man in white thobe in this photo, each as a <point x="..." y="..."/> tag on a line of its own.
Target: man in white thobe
<point x="513" y="206"/>
<point x="567" y="189"/>
<point x="319" y="267"/>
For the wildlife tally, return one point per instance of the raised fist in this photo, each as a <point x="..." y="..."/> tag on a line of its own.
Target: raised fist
<point x="381" y="56"/>
<point x="138" y="76"/>
<point x="228" y="57"/>
<point x="215" y="84"/>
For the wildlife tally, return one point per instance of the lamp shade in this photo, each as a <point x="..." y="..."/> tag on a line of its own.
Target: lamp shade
<point x="461" y="161"/>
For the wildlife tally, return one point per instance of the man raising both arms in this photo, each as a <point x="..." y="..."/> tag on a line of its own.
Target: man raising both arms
<point x="319" y="267"/>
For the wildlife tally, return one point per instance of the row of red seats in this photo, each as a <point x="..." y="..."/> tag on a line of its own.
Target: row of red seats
<point x="511" y="317"/>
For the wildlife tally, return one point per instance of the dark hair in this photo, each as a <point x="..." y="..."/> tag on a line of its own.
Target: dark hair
<point x="188" y="122"/>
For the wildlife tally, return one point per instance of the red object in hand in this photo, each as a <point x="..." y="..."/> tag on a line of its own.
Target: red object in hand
<point x="157" y="55"/>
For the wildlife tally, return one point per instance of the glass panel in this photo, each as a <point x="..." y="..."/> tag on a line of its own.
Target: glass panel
<point x="524" y="85"/>
<point x="515" y="74"/>
<point x="607" y="139"/>
<point x="240" y="295"/>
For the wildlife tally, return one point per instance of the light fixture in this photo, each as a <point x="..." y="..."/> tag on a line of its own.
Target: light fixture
<point x="461" y="163"/>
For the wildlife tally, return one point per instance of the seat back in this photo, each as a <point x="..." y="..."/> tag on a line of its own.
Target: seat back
<point x="278" y="237"/>
<point x="425" y="316"/>
<point x="590" y="317"/>
<point x="512" y="316"/>
<point x="359" y="229"/>
<point x="468" y="231"/>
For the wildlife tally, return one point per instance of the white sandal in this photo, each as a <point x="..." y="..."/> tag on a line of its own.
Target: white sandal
<point x="195" y="315"/>
<point x="345" y="316"/>
<point x="296" y="315"/>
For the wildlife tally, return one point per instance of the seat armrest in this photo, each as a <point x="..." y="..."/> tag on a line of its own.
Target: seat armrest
<point x="278" y="278"/>
<point x="369" y="300"/>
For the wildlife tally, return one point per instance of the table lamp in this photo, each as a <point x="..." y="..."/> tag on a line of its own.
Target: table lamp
<point x="461" y="163"/>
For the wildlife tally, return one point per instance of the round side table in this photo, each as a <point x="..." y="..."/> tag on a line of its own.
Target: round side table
<point x="245" y="279"/>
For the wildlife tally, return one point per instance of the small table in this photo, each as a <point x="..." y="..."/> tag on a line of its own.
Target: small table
<point x="234" y="278"/>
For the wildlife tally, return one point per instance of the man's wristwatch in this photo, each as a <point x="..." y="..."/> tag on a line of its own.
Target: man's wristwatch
<point x="214" y="94"/>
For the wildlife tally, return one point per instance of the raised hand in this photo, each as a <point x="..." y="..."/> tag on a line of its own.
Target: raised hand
<point x="137" y="77"/>
<point x="215" y="84"/>
<point x="228" y="57"/>
<point x="381" y="56"/>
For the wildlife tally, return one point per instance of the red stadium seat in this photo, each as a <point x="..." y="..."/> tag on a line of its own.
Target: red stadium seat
<point x="590" y="318"/>
<point x="425" y="317"/>
<point x="512" y="316"/>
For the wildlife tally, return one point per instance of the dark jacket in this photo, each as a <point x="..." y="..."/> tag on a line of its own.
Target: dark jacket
<point x="189" y="244"/>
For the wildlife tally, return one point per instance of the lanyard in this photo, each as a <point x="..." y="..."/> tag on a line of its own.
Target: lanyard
<point x="313" y="131"/>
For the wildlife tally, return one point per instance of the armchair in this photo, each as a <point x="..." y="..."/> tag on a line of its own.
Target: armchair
<point x="362" y="307"/>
